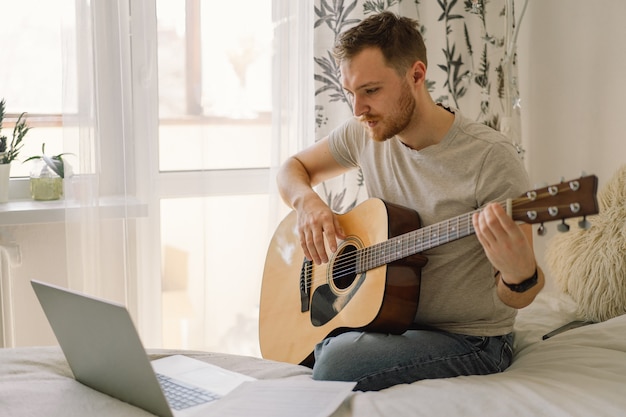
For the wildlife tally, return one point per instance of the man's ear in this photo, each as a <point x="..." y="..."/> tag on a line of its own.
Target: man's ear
<point x="418" y="72"/>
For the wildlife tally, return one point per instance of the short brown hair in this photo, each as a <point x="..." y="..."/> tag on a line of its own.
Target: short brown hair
<point x="397" y="37"/>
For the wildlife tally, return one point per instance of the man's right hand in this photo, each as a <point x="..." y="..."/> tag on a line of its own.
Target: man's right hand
<point x="318" y="226"/>
<point x="319" y="229"/>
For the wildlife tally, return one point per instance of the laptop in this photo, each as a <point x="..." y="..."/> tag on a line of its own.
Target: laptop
<point x="104" y="352"/>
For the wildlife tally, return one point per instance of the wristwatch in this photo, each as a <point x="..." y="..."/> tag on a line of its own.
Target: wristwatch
<point x="524" y="285"/>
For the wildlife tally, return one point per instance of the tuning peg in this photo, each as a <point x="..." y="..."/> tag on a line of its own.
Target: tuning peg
<point x="584" y="223"/>
<point x="541" y="230"/>
<point x="563" y="227"/>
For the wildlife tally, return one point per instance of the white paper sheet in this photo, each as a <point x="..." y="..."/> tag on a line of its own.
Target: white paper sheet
<point x="282" y="398"/>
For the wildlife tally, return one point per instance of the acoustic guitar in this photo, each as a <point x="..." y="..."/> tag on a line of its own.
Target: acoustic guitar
<point x="372" y="281"/>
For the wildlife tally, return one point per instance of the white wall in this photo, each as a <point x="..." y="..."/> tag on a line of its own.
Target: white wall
<point x="573" y="90"/>
<point x="573" y="75"/>
<point x="41" y="254"/>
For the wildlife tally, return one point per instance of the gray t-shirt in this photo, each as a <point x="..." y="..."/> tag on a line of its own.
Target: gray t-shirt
<point x="472" y="166"/>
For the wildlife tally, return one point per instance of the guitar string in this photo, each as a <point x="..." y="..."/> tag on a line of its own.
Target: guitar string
<point x="345" y="264"/>
<point x="462" y="222"/>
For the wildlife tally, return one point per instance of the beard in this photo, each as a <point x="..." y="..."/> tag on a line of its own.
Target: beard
<point x="398" y="119"/>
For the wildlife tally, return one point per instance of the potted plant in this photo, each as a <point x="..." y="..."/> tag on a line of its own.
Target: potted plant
<point x="46" y="176"/>
<point x="10" y="151"/>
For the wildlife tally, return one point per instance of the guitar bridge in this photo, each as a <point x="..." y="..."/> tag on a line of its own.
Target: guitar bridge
<point x="305" y="285"/>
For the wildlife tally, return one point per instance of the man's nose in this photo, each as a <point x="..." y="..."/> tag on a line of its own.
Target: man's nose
<point x="359" y="107"/>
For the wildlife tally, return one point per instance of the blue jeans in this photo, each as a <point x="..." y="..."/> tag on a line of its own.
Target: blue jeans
<point x="376" y="361"/>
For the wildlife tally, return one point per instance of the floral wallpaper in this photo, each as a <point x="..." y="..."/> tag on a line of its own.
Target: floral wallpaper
<point x="471" y="66"/>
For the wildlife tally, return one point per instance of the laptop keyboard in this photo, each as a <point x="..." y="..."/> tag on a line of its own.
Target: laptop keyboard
<point x="180" y="395"/>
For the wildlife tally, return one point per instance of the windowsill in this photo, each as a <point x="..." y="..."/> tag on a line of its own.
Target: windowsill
<point x="27" y="211"/>
<point x="21" y="209"/>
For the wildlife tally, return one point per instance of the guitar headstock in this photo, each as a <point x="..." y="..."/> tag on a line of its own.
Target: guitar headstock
<point x="567" y="199"/>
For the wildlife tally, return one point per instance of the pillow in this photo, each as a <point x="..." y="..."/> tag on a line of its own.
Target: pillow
<point x="590" y="265"/>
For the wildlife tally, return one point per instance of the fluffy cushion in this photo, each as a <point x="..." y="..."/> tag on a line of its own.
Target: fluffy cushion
<point x="590" y="265"/>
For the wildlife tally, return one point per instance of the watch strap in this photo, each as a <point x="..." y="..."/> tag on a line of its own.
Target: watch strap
<point x="524" y="285"/>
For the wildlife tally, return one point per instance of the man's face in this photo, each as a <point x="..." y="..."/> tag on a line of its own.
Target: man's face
<point x="380" y="97"/>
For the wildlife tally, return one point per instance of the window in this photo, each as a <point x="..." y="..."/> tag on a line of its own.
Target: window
<point x="33" y="34"/>
<point x="176" y="106"/>
<point x="214" y="84"/>
<point x="215" y="132"/>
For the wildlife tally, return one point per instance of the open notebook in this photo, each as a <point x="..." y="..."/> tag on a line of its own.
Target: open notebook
<point x="104" y="351"/>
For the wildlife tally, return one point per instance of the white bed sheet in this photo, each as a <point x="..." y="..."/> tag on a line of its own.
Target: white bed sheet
<point x="581" y="372"/>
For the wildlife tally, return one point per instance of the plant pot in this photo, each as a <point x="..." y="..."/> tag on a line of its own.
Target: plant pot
<point x="5" y="176"/>
<point x="45" y="185"/>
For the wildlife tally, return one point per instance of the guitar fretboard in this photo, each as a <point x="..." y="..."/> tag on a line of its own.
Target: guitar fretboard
<point x="417" y="241"/>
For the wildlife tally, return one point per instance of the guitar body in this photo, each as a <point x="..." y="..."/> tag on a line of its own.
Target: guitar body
<point x="302" y="303"/>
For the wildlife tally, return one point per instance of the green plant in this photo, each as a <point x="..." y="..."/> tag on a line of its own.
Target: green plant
<point x="55" y="163"/>
<point x="9" y="153"/>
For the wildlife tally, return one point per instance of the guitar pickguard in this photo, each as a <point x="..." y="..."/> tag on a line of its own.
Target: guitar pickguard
<point x="327" y="303"/>
<point x="342" y="282"/>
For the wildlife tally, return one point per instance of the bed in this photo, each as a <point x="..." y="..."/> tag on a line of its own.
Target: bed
<point x="581" y="372"/>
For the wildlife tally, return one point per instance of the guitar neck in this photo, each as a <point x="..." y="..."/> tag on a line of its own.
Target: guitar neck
<point x="417" y="241"/>
<point x="574" y="198"/>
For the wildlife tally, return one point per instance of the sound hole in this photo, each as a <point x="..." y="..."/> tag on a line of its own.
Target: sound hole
<point x="344" y="267"/>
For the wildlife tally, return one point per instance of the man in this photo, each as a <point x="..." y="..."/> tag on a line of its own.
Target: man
<point x="421" y="155"/>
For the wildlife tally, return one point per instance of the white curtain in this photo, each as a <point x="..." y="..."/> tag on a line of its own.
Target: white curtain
<point x="293" y="89"/>
<point x="103" y="200"/>
<point x="113" y="218"/>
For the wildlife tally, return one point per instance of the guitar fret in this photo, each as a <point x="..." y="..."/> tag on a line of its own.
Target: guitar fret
<point x="442" y="233"/>
<point x="455" y="229"/>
